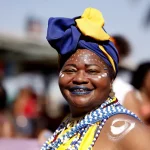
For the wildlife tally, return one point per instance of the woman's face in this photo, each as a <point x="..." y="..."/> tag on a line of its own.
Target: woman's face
<point x="84" y="81"/>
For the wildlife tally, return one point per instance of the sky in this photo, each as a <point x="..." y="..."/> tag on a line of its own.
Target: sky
<point x="121" y="17"/>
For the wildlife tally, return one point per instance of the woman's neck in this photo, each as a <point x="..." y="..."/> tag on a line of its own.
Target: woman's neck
<point x="81" y="112"/>
<point x="78" y="113"/>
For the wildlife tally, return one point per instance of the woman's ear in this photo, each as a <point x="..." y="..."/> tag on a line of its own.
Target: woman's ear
<point x="112" y="93"/>
<point x="111" y="83"/>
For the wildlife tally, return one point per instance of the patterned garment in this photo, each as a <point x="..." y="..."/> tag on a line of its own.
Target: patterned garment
<point x="81" y="133"/>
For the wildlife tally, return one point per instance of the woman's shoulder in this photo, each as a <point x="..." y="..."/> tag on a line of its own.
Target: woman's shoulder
<point x="133" y="95"/>
<point x="125" y="132"/>
<point x="131" y="99"/>
<point x="124" y="120"/>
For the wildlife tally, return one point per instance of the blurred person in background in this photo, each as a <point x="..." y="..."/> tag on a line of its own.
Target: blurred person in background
<point x="138" y="100"/>
<point x="120" y="85"/>
<point x="55" y="100"/>
<point x="25" y="112"/>
<point x="6" y="124"/>
<point x="13" y="84"/>
<point x="54" y="109"/>
<point x="44" y="123"/>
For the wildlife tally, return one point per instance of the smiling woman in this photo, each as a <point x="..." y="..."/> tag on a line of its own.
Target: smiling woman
<point x="88" y="63"/>
<point x="85" y="83"/>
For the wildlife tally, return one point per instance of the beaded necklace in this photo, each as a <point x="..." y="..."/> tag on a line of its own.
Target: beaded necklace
<point x="100" y="115"/>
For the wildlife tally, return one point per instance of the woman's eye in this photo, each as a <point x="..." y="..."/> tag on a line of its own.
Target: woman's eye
<point x="92" y="71"/>
<point x="69" y="70"/>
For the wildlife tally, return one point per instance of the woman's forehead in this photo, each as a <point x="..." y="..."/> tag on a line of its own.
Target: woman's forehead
<point x="84" y="52"/>
<point x="86" y="56"/>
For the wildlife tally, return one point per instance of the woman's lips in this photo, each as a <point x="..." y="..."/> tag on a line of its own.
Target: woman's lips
<point x="80" y="90"/>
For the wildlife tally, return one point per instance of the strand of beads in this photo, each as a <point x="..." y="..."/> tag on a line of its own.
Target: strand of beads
<point x="112" y="111"/>
<point x="99" y="115"/>
<point x="52" y="138"/>
<point x="89" y="119"/>
<point x="78" y="142"/>
<point x="86" y="121"/>
<point x="95" y="119"/>
<point x="97" y="134"/>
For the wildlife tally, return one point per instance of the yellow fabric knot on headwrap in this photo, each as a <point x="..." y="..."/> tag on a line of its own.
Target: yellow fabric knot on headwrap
<point x="91" y="23"/>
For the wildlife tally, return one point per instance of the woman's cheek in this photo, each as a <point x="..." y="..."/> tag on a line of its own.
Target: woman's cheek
<point x="101" y="82"/>
<point x="64" y="79"/>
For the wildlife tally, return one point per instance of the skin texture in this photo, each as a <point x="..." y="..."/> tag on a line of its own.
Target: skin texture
<point x="85" y="69"/>
<point x="135" y="135"/>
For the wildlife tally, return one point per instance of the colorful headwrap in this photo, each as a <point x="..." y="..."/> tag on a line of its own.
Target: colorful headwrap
<point x="86" y="32"/>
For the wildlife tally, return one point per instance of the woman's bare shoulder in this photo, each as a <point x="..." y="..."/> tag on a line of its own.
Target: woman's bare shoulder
<point x="126" y="132"/>
<point x="130" y="97"/>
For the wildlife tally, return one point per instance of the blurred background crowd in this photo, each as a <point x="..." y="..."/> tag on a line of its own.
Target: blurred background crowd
<point x="30" y="99"/>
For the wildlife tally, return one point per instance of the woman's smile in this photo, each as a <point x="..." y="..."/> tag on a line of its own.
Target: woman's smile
<point x="80" y="90"/>
<point x="85" y="82"/>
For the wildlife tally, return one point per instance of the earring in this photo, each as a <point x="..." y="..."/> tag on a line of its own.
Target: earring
<point x="112" y="93"/>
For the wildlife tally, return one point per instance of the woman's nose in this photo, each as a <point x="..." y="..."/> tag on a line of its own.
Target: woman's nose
<point x="80" y="78"/>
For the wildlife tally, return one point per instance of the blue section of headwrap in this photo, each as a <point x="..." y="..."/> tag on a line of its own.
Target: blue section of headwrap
<point x="65" y="37"/>
<point x="112" y="51"/>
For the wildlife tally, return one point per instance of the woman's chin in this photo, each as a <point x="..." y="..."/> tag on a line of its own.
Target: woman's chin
<point x="81" y="103"/>
<point x="81" y="100"/>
